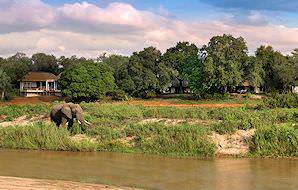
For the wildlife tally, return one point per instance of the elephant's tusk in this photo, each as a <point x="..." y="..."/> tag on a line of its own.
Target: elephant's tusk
<point x="87" y="122"/>
<point x="79" y="122"/>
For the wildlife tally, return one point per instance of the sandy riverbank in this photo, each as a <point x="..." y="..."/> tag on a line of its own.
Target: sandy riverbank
<point x="16" y="183"/>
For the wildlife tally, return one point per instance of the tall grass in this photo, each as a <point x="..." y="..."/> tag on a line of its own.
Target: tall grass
<point x="275" y="141"/>
<point x="178" y="140"/>
<point x="35" y="136"/>
<point x="13" y="111"/>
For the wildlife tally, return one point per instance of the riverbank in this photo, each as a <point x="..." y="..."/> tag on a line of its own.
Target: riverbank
<point x="164" y="130"/>
<point x="17" y="183"/>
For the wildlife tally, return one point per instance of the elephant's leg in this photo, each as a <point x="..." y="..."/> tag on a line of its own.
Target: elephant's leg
<point x="64" y="122"/>
<point x="70" y="124"/>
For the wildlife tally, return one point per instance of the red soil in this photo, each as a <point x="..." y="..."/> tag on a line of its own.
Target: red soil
<point x="29" y="100"/>
<point x="151" y="103"/>
<point x="168" y="104"/>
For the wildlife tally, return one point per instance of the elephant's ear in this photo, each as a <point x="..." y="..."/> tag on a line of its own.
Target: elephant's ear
<point x="67" y="111"/>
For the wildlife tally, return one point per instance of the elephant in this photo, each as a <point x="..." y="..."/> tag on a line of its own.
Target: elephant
<point x="64" y="114"/>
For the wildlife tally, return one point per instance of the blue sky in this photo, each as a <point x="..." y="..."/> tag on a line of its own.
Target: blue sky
<point x="276" y="11"/>
<point x="90" y="27"/>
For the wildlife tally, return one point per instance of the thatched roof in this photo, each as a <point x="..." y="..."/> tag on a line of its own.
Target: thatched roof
<point x="39" y="76"/>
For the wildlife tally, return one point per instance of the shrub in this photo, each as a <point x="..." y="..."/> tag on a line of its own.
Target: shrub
<point x="275" y="141"/>
<point x="150" y="94"/>
<point x="118" y="95"/>
<point x="225" y="127"/>
<point x="286" y="100"/>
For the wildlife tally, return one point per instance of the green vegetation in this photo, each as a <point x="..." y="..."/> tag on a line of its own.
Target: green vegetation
<point x="15" y="111"/>
<point x="37" y="136"/>
<point x="219" y="67"/>
<point x="175" y="131"/>
<point x="180" y="58"/>
<point x="4" y="84"/>
<point x="288" y="100"/>
<point x="144" y="74"/>
<point x="87" y="81"/>
<point x="275" y="141"/>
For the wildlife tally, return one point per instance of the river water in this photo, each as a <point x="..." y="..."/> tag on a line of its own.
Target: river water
<point x="152" y="172"/>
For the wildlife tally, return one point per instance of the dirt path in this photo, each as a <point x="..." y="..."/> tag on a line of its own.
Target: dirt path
<point x="164" y="103"/>
<point x="24" y="120"/>
<point x="16" y="183"/>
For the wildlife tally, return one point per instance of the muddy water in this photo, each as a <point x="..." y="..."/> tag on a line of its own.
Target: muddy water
<point x="152" y="172"/>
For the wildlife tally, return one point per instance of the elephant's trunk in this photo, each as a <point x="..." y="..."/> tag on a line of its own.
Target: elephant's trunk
<point x="82" y="121"/>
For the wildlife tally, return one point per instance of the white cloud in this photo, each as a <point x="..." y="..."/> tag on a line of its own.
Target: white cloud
<point x="85" y="29"/>
<point x="24" y="15"/>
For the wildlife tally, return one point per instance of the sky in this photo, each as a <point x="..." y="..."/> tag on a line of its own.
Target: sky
<point x="89" y="28"/>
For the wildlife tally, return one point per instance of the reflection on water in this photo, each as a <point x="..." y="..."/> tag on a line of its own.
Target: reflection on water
<point x="152" y="172"/>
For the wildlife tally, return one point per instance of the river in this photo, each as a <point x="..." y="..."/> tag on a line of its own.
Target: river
<point x="152" y="172"/>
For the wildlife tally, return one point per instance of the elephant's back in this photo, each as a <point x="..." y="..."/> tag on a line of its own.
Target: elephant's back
<point x="55" y="111"/>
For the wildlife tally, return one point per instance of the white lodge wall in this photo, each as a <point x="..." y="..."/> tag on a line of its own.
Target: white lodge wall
<point x="37" y="88"/>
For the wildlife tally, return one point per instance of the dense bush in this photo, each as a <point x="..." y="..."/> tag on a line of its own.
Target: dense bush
<point x="118" y="94"/>
<point x="275" y="141"/>
<point x="87" y="81"/>
<point x="276" y="100"/>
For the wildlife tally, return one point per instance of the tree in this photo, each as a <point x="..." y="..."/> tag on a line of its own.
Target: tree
<point x="294" y="61"/>
<point x="178" y="58"/>
<point x="87" y="81"/>
<point x="65" y="62"/>
<point x="118" y="64"/>
<point x="115" y="61"/>
<point x="4" y="83"/>
<point x="16" y="67"/>
<point x="145" y="74"/>
<point x="253" y="72"/>
<point x="221" y="64"/>
<point x="46" y="63"/>
<point x="279" y="70"/>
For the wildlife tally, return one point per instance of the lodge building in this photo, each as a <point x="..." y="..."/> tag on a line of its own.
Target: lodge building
<point x="39" y="83"/>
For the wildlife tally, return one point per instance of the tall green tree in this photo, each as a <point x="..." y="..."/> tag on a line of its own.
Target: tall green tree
<point x="294" y="60"/>
<point x="223" y="60"/>
<point x="279" y="70"/>
<point x="4" y="83"/>
<point x="145" y="73"/>
<point x="65" y="63"/>
<point x="253" y="72"/>
<point x="16" y="67"/>
<point x="115" y="61"/>
<point x="87" y="81"/>
<point x="179" y="57"/>
<point x="46" y="63"/>
<point x="119" y="65"/>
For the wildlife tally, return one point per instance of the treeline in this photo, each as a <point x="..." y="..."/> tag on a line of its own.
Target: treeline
<point x="217" y="67"/>
<point x="14" y="68"/>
